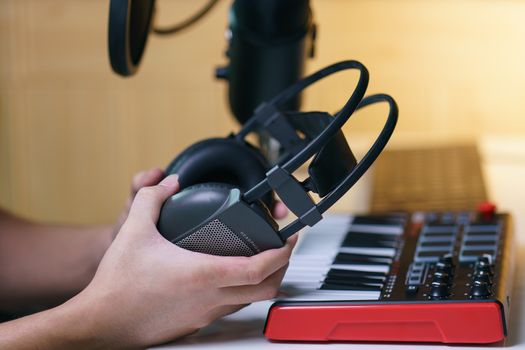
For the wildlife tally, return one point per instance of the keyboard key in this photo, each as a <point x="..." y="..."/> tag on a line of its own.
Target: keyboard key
<point x="332" y="286"/>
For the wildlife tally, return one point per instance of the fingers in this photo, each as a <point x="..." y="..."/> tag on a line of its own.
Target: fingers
<point x="149" y="200"/>
<point x="236" y="271"/>
<point x="146" y="178"/>
<point x="265" y="290"/>
<point x="280" y="211"/>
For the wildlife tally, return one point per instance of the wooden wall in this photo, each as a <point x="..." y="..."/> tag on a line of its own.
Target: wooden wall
<point x="72" y="133"/>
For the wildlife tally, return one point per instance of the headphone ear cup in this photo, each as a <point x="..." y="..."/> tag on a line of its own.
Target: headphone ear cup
<point x="212" y="218"/>
<point x="221" y="160"/>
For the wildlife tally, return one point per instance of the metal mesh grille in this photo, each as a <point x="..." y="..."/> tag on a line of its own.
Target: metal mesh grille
<point x="216" y="239"/>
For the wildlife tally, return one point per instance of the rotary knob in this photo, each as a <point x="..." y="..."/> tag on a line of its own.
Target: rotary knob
<point x="482" y="268"/>
<point x="444" y="267"/>
<point x="484" y="260"/>
<point x="482" y="276"/>
<point x="480" y="290"/>
<point x="447" y="259"/>
<point x="441" y="276"/>
<point x="438" y="290"/>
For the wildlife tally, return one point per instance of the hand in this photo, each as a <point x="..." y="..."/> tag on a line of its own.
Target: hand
<point x="148" y="291"/>
<point x="152" y="177"/>
<point x="142" y="179"/>
<point x="280" y="211"/>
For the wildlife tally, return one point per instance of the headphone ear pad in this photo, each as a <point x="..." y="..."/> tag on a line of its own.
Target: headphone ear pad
<point x="221" y="160"/>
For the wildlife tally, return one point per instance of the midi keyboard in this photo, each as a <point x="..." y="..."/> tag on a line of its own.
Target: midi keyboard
<point x="419" y="277"/>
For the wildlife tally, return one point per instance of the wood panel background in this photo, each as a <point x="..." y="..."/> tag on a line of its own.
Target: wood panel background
<point x="72" y="133"/>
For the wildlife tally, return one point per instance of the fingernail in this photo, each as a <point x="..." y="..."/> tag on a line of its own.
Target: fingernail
<point x="170" y="181"/>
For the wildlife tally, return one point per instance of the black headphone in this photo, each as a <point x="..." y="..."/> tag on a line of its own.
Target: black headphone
<point x="227" y="186"/>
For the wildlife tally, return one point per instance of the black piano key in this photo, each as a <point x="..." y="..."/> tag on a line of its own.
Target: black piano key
<point x="384" y="220"/>
<point x="333" y="286"/>
<point x="352" y="283"/>
<point x="371" y="236"/>
<point x="354" y="280"/>
<point x="362" y="259"/>
<point x="362" y="239"/>
<point x="356" y="273"/>
<point x="368" y="244"/>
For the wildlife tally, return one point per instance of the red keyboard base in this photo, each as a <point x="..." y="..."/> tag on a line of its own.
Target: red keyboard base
<point x="447" y="322"/>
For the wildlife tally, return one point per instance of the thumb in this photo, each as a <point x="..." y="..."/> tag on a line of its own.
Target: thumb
<point x="149" y="200"/>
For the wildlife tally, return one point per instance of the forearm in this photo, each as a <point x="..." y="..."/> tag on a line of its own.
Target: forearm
<point x="46" y="264"/>
<point x="68" y="326"/>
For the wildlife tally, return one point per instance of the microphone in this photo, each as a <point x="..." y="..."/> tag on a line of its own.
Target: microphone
<point x="269" y="41"/>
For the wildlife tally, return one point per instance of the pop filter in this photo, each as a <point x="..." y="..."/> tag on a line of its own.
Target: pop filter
<point x="129" y="26"/>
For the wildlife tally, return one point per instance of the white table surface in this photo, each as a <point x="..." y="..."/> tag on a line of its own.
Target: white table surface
<point x="504" y="170"/>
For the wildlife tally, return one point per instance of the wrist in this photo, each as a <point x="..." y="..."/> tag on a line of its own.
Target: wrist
<point x="77" y="324"/>
<point x="94" y="320"/>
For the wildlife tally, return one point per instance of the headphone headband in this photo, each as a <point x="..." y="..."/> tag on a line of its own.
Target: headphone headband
<point x="267" y="111"/>
<point x="361" y="167"/>
<point x="280" y="178"/>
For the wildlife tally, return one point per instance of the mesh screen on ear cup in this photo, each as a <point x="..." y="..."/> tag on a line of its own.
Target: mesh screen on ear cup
<point x="215" y="238"/>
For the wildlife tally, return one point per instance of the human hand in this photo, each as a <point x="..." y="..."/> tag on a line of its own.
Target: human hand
<point x="148" y="291"/>
<point x="142" y="179"/>
<point x="152" y="177"/>
<point x="280" y="210"/>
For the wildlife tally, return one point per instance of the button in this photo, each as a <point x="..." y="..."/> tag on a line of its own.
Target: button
<point x="431" y="217"/>
<point x="448" y="218"/>
<point x="480" y="290"/>
<point x="486" y="210"/>
<point x="411" y="290"/>
<point x="438" y="290"/>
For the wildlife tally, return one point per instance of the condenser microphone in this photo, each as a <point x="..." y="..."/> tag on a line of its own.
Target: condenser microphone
<point x="268" y="44"/>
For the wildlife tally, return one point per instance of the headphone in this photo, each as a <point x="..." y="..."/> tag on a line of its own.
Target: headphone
<point x="228" y="187"/>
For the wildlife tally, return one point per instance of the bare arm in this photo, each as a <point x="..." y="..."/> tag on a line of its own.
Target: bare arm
<point x="44" y="265"/>
<point x="148" y="291"/>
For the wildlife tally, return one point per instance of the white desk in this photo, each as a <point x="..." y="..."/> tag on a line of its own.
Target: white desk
<point x="504" y="168"/>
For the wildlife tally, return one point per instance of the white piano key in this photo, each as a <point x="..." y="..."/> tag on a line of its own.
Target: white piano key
<point x="328" y="295"/>
<point x="369" y="251"/>
<point x="314" y="282"/>
<point x="354" y="267"/>
<point x="315" y="254"/>
<point x="393" y="230"/>
<point x="366" y="268"/>
<point x="336" y="220"/>
<point x="302" y="283"/>
<point x="320" y="245"/>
